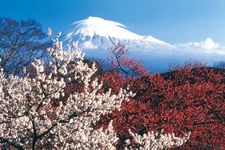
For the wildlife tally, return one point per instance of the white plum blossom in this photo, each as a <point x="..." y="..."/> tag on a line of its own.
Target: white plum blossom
<point x="155" y="140"/>
<point x="33" y="116"/>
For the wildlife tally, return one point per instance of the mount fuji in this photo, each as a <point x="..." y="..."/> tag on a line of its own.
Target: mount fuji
<point x="98" y="33"/>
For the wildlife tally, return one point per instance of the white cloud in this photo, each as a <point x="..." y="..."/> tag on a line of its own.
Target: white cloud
<point x="207" y="44"/>
<point x="88" y="45"/>
<point x="207" y="51"/>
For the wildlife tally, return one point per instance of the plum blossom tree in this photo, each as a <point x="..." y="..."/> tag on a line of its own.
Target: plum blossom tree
<point x="125" y="65"/>
<point x="33" y="114"/>
<point x="20" y="42"/>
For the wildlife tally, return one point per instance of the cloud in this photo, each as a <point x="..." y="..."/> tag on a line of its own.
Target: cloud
<point x="207" y="51"/>
<point x="159" y="59"/>
<point x="88" y="45"/>
<point x="207" y="46"/>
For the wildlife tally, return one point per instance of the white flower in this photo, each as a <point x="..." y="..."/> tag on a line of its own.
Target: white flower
<point x="49" y="32"/>
<point x="31" y="107"/>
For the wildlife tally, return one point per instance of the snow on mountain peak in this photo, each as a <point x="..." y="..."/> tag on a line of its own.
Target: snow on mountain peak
<point x="95" y="32"/>
<point x="98" y="26"/>
<point x="98" y="21"/>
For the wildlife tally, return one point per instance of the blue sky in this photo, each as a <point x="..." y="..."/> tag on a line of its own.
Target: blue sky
<point x="174" y="21"/>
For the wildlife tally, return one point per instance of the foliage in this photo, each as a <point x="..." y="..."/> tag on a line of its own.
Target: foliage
<point x="127" y="66"/>
<point x="20" y="42"/>
<point x="38" y="112"/>
<point x="189" y="98"/>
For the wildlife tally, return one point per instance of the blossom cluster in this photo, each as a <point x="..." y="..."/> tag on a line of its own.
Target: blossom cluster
<point x="155" y="140"/>
<point x="34" y="115"/>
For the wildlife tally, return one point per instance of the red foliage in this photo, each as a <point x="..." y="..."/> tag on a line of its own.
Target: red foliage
<point x="190" y="98"/>
<point x="127" y="66"/>
<point x="113" y="80"/>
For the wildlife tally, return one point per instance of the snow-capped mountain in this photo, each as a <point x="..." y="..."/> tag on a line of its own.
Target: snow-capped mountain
<point x="95" y="32"/>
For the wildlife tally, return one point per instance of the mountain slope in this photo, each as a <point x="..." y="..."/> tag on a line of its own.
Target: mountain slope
<point x="94" y="32"/>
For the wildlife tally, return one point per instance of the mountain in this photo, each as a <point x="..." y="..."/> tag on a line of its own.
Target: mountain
<point x="95" y="32"/>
